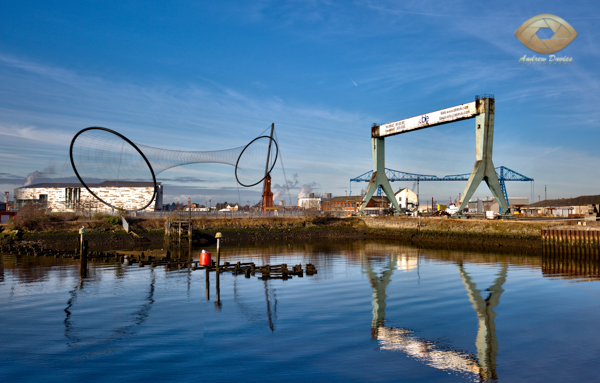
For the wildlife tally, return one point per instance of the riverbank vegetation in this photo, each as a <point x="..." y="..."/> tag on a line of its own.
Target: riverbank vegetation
<point x="33" y="220"/>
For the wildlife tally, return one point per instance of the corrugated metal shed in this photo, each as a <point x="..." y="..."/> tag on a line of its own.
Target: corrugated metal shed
<point x="577" y="201"/>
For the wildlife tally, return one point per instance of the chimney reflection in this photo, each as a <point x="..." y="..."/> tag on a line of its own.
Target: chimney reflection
<point x="400" y="339"/>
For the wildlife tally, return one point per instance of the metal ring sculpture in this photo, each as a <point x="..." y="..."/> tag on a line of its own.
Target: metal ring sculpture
<point x="100" y="154"/>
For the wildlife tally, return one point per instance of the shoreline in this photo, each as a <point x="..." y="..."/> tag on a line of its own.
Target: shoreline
<point x="434" y="233"/>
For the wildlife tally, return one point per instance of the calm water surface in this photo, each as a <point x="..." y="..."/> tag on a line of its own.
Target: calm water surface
<point x="375" y="312"/>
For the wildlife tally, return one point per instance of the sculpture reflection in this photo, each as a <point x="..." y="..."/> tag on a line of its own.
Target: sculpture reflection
<point x="483" y="366"/>
<point x="254" y="313"/>
<point x="119" y="333"/>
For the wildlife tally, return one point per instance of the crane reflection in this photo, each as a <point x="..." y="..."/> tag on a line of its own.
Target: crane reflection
<point x="481" y="367"/>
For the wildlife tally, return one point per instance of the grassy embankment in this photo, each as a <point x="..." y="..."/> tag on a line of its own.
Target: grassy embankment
<point x="57" y="225"/>
<point x="462" y="227"/>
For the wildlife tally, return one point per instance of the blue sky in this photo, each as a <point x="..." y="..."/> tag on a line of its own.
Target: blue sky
<point x="198" y="75"/>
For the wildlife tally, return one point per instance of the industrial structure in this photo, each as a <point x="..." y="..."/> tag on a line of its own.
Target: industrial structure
<point x="351" y="204"/>
<point x="502" y="172"/>
<point x="482" y="109"/>
<point x="267" y="195"/>
<point x="310" y="202"/>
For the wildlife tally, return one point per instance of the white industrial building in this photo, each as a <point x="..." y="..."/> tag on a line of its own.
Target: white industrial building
<point x="407" y="199"/>
<point x="310" y="202"/>
<point x="73" y="197"/>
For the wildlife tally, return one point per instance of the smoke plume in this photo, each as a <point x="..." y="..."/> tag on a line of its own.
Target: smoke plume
<point x="282" y="189"/>
<point x="306" y="188"/>
<point x="37" y="174"/>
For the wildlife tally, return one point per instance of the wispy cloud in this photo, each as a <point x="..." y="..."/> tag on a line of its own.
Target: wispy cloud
<point x="34" y="134"/>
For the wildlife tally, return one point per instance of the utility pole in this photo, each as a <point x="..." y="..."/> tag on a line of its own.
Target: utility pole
<point x="418" y="201"/>
<point x="545" y="193"/>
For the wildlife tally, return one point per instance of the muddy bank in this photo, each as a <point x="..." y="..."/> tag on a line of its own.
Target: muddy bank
<point x="205" y="238"/>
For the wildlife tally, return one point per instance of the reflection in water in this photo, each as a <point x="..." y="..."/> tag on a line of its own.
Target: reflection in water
<point x="487" y="343"/>
<point x="107" y="332"/>
<point x="269" y="313"/>
<point x="117" y="334"/>
<point x="571" y="262"/>
<point x="256" y="314"/>
<point x="218" y="290"/>
<point x="396" y="338"/>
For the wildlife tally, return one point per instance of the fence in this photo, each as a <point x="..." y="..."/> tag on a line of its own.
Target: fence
<point x="224" y="214"/>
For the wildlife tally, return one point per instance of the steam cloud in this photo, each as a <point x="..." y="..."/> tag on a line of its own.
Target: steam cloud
<point x="37" y="174"/>
<point x="306" y="188"/>
<point x="281" y="189"/>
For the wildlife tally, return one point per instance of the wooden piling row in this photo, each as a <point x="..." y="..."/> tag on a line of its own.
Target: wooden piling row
<point x="571" y="261"/>
<point x="576" y="237"/>
<point x="266" y="272"/>
<point x="175" y="229"/>
<point x="39" y="251"/>
<point x="248" y="269"/>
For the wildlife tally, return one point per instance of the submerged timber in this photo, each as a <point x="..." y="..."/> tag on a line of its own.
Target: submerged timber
<point x="431" y="232"/>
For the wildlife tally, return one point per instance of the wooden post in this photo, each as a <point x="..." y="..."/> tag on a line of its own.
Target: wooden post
<point x="82" y="254"/>
<point x="207" y="284"/>
<point x="218" y="236"/>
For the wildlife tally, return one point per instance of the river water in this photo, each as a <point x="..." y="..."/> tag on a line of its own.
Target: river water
<point x="374" y="312"/>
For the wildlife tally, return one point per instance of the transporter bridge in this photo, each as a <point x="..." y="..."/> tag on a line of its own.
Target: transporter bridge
<point x="502" y="172"/>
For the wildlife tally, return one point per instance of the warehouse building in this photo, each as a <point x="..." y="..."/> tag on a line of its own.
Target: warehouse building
<point x="586" y="206"/>
<point x="351" y="204"/>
